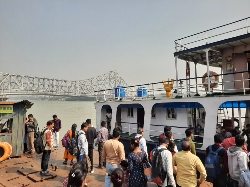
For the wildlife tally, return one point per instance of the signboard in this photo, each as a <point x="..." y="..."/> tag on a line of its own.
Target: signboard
<point x="6" y="109"/>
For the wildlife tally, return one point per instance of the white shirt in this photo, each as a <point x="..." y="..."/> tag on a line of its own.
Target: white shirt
<point x="142" y="143"/>
<point x="167" y="166"/>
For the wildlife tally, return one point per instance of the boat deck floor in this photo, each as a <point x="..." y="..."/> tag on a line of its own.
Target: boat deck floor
<point x="24" y="171"/>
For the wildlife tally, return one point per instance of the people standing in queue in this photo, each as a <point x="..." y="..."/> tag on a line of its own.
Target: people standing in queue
<point x="91" y="136"/>
<point x="57" y="127"/>
<point x="229" y="142"/>
<point x="77" y="176"/>
<point x="113" y="154"/>
<point x="166" y="160"/>
<point x="102" y="137"/>
<point x="216" y="155"/>
<point x="31" y="127"/>
<point x="237" y="160"/>
<point x="171" y="146"/>
<point x="189" y="137"/>
<point x="187" y="165"/>
<point x="48" y="142"/>
<point x="136" y="161"/>
<point x="142" y="141"/>
<point x="224" y="133"/>
<point x="82" y="143"/>
<point x="117" y="178"/>
<point x="109" y="118"/>
<point x="70" y="134"/>
<point x="247" y="133"/>
<point x="245" y="178"/>
<point x="163" y="135"/>
<point x="83" y="146"/>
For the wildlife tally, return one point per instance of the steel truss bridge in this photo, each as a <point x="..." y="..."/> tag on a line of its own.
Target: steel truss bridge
<point x="11" y="84"/>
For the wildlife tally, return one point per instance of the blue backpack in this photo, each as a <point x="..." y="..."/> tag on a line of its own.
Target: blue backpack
<point x="212" y="162"/>
<point x="179" y="146"/>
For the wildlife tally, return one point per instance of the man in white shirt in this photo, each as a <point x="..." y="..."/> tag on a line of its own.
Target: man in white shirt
<point x="142" y="143"/>
<point x="166" y="157"/>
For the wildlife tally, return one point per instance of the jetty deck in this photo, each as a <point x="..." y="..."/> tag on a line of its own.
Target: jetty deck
<point x="21" y="172"/>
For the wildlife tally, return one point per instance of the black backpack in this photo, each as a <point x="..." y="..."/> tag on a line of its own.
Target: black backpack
<point x="73" y="146"/>
<point x="158" y="173"/>
<point x="38" y="143"/>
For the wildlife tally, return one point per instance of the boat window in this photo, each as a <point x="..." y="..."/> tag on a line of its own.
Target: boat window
<point x="153" y="113"/>
<point x="171" y="113"/>
<point x="130" y="112"/>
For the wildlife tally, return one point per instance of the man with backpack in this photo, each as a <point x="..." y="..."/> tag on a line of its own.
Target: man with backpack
<point x="91" y="136"/>
<point x="237" y="160"/>
<point x="31" y="128"/>
<point x="216" y="163"/>
<point x="162" y="169"/>
<point x="189" y="137"/>
<point x="48" y="148"/>
<point x="187" y="165"/>
<point x="82" y="143"/>
<point x="142" y="141"/>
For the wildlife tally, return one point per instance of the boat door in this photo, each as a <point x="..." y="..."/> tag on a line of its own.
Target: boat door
<point x="240" y="64"/>
<point x="118" y="116"/>
<point x="140" y="117"/>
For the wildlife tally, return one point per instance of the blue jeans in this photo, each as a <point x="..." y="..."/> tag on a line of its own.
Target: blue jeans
<point x="80" y="158"/>
<point x="45" y="160"/>
<point x="109" y="169"/>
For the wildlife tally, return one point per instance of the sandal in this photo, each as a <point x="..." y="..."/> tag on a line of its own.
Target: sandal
<point x="71" y="163"/>
<point x="65" y="162"/>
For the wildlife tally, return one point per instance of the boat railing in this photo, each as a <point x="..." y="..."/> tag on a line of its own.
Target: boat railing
<point x="225" y="31"/>
<point x="131" y="128"/>
<point x="188" y="87"/>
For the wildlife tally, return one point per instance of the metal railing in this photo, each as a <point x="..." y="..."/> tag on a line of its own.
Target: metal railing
<point x="224" y="31"/>
<point x="225" y="85"/>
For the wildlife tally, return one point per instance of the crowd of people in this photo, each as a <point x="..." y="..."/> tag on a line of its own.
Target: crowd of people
<point x="170" y="164"/>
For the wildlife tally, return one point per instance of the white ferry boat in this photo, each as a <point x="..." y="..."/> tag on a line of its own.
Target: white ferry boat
<point x="202" y="103"/>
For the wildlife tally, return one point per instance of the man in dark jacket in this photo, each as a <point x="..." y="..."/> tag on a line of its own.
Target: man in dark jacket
<point x="247" y="133"/>
<point x="31" y="127"/>
<point x="57" y="127"/>
<point x="91" y="136"/>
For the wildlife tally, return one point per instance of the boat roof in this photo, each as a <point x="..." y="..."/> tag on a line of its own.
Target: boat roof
<point x="197" y="54"/>
<point x="230" y="35"/>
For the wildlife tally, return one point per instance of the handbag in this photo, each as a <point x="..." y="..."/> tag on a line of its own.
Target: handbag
<point x="146" y="167"/>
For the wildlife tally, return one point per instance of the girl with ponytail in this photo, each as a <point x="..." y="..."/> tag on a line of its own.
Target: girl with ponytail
<point x="117" y="177"/>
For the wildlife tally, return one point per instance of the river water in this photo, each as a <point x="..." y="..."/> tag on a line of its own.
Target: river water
<point x="68" y="111"/>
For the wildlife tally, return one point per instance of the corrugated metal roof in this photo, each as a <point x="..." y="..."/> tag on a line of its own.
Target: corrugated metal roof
<point x="7" y="103"/>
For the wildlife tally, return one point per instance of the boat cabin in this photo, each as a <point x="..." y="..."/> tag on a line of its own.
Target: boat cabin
<point x="12" y="128"/>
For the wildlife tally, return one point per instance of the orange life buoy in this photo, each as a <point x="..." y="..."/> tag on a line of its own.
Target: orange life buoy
<point x="214" y="79"/>
<point x="7" y="151"/>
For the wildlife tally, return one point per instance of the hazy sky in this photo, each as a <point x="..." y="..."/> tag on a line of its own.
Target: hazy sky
<point x="76" y="40"/>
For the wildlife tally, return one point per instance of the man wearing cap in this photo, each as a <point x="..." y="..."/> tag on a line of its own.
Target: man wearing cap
<point x="91" y="136"/>
<point x="57" y="127"/>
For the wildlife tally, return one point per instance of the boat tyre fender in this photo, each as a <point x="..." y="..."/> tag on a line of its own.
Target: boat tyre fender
<point x="7" y="151"/>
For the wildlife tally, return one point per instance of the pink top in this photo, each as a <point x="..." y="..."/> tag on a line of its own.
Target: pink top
<point x="65" y="182"/>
